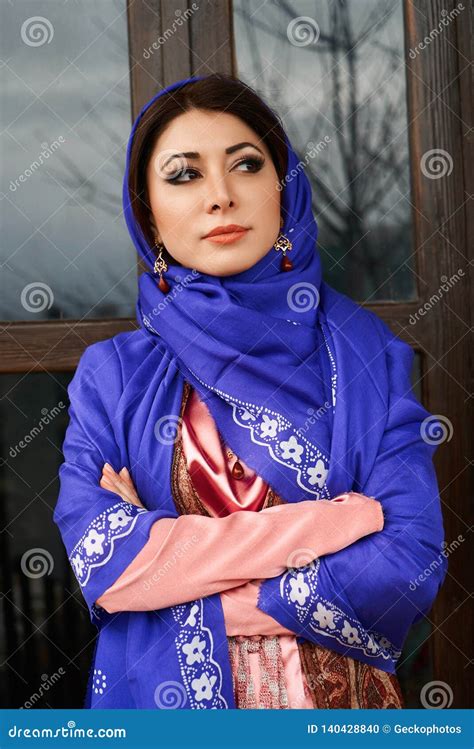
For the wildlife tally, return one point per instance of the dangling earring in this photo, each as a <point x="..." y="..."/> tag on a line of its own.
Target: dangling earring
<point x="283" y="243"/>
<point x="160" y="266"/>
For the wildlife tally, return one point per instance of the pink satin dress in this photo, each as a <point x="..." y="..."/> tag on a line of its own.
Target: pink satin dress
<point x="209" y="463"/>
<point x="236" y="559"/>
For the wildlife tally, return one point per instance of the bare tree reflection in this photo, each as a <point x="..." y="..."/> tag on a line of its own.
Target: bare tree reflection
<point x="348" y="85"/>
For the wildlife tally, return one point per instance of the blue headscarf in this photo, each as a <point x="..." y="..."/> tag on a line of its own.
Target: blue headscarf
<point x="313" y="392"/>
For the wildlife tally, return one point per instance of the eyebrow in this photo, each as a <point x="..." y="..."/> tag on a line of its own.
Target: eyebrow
<point x="196" y="154"/>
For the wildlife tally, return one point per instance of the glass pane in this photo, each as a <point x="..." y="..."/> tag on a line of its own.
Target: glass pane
<point x="65" y="119"/>
<point x="335" y="73"/>
<point x="46" y="637"/>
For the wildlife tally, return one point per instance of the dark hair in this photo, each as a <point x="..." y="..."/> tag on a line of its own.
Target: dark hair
<point x="218" y="92"/>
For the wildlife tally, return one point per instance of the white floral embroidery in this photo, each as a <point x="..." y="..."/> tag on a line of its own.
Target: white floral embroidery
<point x="203" y="687"/>
<point x="93" y="543"/>
<point x="333" y="368"/>
<point x="78" y="564"/>
<point x="299" y="590"/>
<point x="200" y="672"/>
<point x="194" y="650"/>
<point x="99" y="681"/>
<point x="371" y="644"/>
<point x="282" y="439"/>
<point x="324" y="617"/>
<point x="318" y="474"/>
<point x="96" y="545"/>
<point x="269" y="426"/>
<point x="118" y="519"/>
<point x="350" y="633"/>
<point x="291" y="449"/>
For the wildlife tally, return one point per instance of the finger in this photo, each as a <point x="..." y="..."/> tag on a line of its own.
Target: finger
<point x="120" y="486"/>
<point x="106" y="484"/>
<point x="125" y="475"/>
<point x="112" y="488"/>
<point x="127" y="491"/>
<point x="121" y="479"/>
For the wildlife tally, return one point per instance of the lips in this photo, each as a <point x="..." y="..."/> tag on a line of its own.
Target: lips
<point x="228" y="229"/>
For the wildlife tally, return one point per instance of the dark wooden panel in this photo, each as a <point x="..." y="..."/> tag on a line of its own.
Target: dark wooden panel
<point x="211" y="38"/>
<point x="170" y="40"/>
<point x="146" y="70"/>
<point x="53" y="346"/>
<point x="437" y="121"/>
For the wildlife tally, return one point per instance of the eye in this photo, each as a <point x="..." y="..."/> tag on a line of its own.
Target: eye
<point x="180" y="175"/>
<point x="254" y="162"/>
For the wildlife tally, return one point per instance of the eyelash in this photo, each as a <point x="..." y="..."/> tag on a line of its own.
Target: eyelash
<point x="256" y="161"/>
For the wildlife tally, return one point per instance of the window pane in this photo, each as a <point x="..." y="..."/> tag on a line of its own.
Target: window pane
<point x="335" y="73"/>
<point x="46" y="637"/>
<point x="65" y="119"/>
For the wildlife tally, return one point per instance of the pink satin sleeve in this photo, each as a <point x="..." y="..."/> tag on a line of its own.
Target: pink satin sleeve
<point x="194" y="556"/>
<point x="244" y="542"/>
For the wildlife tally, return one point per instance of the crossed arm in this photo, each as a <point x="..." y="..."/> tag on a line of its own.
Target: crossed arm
<point x="194" y="556"/>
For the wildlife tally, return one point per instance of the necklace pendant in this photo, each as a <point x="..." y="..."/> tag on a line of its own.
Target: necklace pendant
<point x="237" y="470"/>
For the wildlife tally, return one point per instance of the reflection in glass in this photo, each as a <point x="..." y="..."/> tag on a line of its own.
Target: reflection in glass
<point x="335" y="73"/>
<point x="46" y="637"/>
<point x="65" y="119"/>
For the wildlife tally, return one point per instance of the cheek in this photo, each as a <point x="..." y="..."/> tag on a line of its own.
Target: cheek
<point x="267" y="203"/>
<point x="169" y="205"/>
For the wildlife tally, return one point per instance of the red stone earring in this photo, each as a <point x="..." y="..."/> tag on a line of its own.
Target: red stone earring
<point x="283" y="243"/>
<point x="159" y="267"/>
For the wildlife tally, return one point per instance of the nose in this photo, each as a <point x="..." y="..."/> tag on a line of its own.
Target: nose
<point x="218" y="196"/>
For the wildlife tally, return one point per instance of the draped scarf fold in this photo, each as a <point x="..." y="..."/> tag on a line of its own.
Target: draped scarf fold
<point x="314" y="393"/>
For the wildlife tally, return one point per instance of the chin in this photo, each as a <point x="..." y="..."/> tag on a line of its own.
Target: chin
<point x="228" y="266"/>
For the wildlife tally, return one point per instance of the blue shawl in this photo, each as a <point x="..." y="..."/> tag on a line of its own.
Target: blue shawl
<point x="313" y="392"/>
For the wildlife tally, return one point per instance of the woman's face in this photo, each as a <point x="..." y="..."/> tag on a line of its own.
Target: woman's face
<point x="222" y="174"/>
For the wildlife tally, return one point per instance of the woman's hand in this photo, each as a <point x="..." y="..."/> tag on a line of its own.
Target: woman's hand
<point x="120" y="483"/>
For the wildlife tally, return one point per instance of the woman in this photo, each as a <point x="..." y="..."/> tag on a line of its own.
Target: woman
<point x="198" y="444"/>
